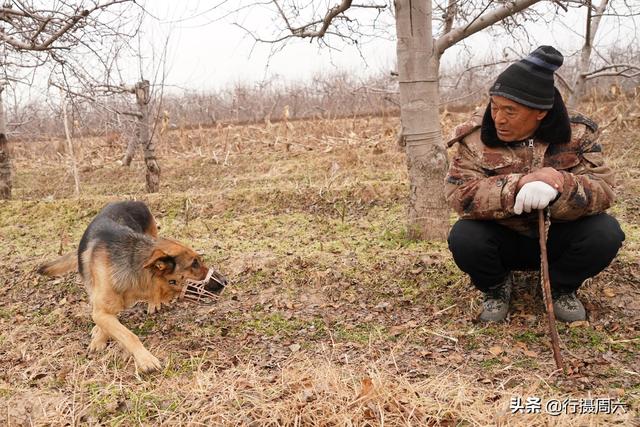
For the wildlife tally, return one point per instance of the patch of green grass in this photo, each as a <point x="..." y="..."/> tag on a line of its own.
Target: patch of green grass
<point x="141" y="408"/>
<point x="528" y="337"/>
<point x="255" y="280"/>
<point x="490" y="331"/>
<point x="46" y="317"/>
<point x="6" y="313"/>
<point x="470" y="343"/>
<point x="360" y="333"/>
<point x="218" y="328"/>
<point x="5" y="392"/>
<point x="442" y="276"/>
<point x="181" y="366"/>
<point x="143" y="329"/>
<point x="396" y="238"/>
<point x="611" y="372"/>
<point x="117" y="363"/>
<point x="491" y="363"/>
<point x="528" y="363"/>
<point x="276" y="324"/>
<point x="104" y="398"/>
<point x="589" y="337"/>
<point x="410" y="289"/>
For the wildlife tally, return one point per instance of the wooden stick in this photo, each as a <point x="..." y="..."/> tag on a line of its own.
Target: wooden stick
<point x="546" y="292"/>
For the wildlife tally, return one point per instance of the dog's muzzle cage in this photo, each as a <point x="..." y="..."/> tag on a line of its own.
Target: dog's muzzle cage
<point x="196" y="290"/>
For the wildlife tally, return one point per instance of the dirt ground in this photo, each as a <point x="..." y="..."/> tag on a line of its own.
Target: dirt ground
<point x="333" y="316"/>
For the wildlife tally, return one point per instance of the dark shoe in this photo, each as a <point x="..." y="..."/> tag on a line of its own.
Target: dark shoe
<point x="496" y="302"/>
<point x="568" y="308"/>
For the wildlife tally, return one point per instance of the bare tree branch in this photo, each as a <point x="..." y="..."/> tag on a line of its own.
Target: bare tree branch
<point x="563" y="81"/>
<point x="450" y="15"/>
<point x="62" y="24"/>
<point x="622" y="71"/>
<point x="482" y="21"/>
<point x="316" y="28"/>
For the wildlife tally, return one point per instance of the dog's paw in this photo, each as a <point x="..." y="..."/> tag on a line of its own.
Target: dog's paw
<point x="147" y="362"/>
<point x="98" y="340"/>
<point x="96" y="346"/>
<point x="153" y="307"/>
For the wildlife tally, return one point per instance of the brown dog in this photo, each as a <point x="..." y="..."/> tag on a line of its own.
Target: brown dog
<point x="122" y="261"/>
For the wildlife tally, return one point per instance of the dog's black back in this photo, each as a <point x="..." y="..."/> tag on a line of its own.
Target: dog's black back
<point x="115" y="221"/>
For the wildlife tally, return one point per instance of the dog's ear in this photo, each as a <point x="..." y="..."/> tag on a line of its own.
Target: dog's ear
<point x="160" y="261"/>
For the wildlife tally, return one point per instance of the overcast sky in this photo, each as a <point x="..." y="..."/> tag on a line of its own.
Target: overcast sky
<point x="205" y="52"/>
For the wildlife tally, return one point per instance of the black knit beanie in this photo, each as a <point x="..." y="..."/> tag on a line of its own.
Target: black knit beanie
<point x="530" y="81"/>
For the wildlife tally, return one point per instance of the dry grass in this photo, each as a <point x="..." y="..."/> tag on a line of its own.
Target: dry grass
<point x="334" y="317"/>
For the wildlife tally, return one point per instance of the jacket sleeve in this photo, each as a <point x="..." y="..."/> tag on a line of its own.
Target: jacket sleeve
<point x="472" y="193"/>
<point x="588" y="186"/>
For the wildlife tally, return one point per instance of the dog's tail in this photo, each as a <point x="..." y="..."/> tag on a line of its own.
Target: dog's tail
<point x="60" y="266"/>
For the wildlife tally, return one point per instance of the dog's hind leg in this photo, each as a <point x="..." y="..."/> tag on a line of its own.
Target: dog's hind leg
<point x="99" y="339"/>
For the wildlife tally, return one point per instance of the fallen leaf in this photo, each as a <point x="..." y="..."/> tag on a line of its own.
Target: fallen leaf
<point x="294" y="347"/>
<point x="366" y="387"/>
<point x="456" y="357"/>
<point x="609" y="293"/>
<point x="520" y="344"/>
<point x="396" y="330"/>
<point x="496" y="350"/>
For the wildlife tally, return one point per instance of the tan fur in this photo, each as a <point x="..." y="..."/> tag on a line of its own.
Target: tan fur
<point x="63" y="265"/>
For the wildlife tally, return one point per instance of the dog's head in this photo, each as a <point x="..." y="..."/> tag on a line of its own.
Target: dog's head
<point x="173" y="263"/>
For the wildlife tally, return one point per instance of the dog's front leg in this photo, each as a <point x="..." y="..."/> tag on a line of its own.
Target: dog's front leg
<point x="110" y="324"/>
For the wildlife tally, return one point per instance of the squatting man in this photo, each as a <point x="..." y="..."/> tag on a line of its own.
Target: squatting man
<point x="523" y="154"/>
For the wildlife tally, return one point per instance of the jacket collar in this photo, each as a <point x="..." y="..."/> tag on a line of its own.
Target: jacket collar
<point x="555" y="128"/>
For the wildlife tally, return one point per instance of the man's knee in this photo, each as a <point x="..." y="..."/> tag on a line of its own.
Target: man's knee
<point x="469" y="237"/>
<point x="604" y="233"/>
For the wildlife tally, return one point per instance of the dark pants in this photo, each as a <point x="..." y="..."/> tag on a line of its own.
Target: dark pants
<point x="576" y="250"/>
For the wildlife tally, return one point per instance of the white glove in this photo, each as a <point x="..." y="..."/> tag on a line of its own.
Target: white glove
<point x="534" y="195"/>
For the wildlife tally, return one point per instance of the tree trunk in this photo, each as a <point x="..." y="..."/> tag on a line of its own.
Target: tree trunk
<point x="153" y="169"/>
<point x="418" y="67"/>
<point x="585" y="55"/>
<point x="131" y="149"/>
<point x="5" y="158"/>
<point x="67" y="133"/>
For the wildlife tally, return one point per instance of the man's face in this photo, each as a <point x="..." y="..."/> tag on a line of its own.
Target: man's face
<point x="514" y="122"/>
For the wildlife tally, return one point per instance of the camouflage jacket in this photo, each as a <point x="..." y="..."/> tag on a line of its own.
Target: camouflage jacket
<point x="482" y="179"/>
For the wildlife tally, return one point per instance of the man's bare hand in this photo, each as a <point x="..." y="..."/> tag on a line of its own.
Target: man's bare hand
<point x="547" y="174"/>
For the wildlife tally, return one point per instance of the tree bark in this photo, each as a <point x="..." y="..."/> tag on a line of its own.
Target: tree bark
<point x="131" y="149"/>
<point x="5" y="157"/>
<point x="585" y="55"/>
<point x="67" y="132"/>
<point x="145" y="140"/>
<point x="418" y="68"/>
